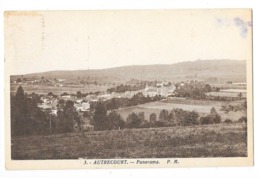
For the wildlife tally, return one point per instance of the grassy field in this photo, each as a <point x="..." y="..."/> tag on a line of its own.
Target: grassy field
<point x="41" y="89"/>
<point x="201" y="106"/>
<point x="220" y="140"/>
<point x="226" y="93"/>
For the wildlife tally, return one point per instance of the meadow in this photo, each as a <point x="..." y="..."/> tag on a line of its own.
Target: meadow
<point x="226" y="93"/>
<point x="220" y="140"/>
<point x="201" y="106"/>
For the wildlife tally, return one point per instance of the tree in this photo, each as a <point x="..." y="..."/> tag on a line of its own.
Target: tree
<point x="212" y="118"/>
<point x="50" y="94"/>
<point x="18" y="80"/>
<point x="207" y="88"/>
<point x="163" y="116"/>
<point x="100" y="117"/>
<point x="79" y="95"/>
<point x="26" y="117"/>
<point x="20" y="98"/>
<point x="19" y="113"/>
<point x="206" y="120"/>
<point x="240" y="95"/>
<point x="153" y="118"/>
<point x="242" y="119"/>
<point x="70" y="115"/>
<point x="228" y="121"/>
<point x="239" y="107"/>
<point x="133" y="121"/>
<point x="61" y="103"/>
<point x="194" y="118"/>
<point x="215" y="116"/>
<point x="213" y="111"/>
<point x="115" y="121"/>
<point x="64" y="94"/>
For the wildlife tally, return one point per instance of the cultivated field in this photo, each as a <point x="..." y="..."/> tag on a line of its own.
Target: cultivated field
<point x="201" y="106"/>
<point x="221" y="140"/>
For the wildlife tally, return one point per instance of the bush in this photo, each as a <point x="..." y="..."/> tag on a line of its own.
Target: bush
<point x="212" y="118"/>
<point x="206" y="120"/>
<point x="216" y="119"/>
<point x="242" y="120"/>
<point x="228" y="121"/>
<point x="159" y="124"/>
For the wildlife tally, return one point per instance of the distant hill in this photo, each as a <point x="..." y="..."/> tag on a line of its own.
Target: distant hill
<point x="222" y="70"/>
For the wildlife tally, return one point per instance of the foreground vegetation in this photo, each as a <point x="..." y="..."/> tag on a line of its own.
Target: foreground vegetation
<point x="218" y="140"/>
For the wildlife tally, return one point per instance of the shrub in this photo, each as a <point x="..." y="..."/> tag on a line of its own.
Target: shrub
<point x="159" y="124"/>
<point x="228" y="121"/>
<point x="206" y="120"/>
<point x="242" y="119"/>
<point x="216" y="119"/>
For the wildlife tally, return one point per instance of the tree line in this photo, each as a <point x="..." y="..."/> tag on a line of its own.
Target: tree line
<point x="116" y="103"/>
<point x="175" y="117"/>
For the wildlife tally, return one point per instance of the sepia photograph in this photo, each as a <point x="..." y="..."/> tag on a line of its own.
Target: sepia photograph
<point x="128" y="88"/>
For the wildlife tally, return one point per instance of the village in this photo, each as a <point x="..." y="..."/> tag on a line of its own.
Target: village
<point x="82" y="103"/>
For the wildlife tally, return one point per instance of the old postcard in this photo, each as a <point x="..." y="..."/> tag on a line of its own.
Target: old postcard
<point x="128" y="89"/>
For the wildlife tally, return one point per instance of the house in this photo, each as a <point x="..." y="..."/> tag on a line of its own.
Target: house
<point x="84" y="106"/>
<point x="163" y="91"/>
<point x="128" y="94"/>
<point x="115" y="95"/>
<point x="104" y="97"/>
<point x="66" y="97"/>
<point x="60" y="80"/>
<point x="79" y="101"/>
<point x="171" y="88"/>
<point x="54" y="112"/>
<point x="91" y="98"/>
<point x="44" y="106"/>
<point x="150" y="91"/>
<point x="161" y="84"/>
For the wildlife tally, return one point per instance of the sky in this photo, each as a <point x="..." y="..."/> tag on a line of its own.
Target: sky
<point x="71" y="40"/>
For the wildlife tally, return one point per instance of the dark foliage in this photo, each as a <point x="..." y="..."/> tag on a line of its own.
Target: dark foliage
<point x="228" y="121"/>
<point x="242" y="120"/>
<point x="26" y="117"/>
<point x="212" y="118"/>
<point x="100" y="120"/>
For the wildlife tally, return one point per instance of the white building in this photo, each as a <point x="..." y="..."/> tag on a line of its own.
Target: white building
<point x="85" y="106"/>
